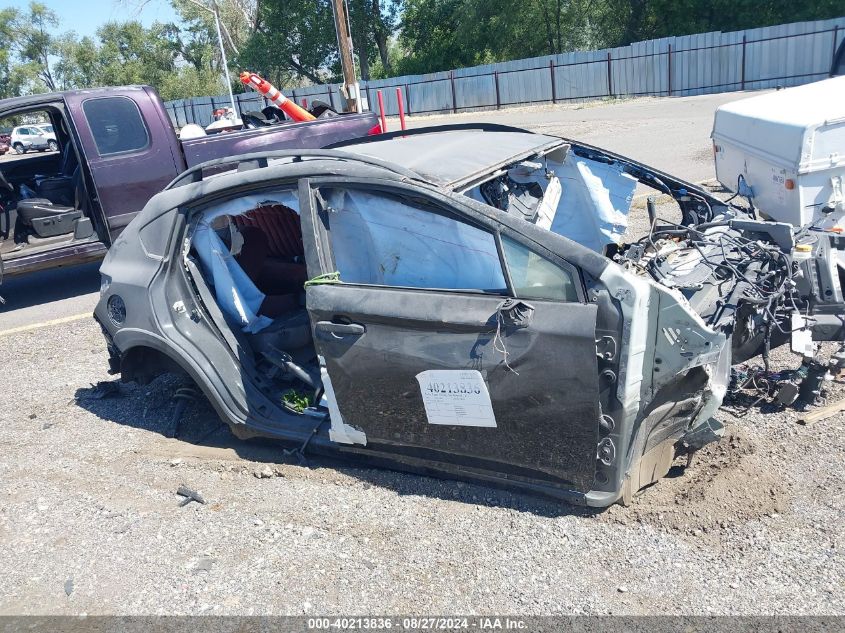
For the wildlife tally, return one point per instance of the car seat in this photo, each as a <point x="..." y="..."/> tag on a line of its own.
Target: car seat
<point x="280" y="225"/>
<point x="48" y="219"/>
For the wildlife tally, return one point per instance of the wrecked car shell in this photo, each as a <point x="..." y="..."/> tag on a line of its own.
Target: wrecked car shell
<point x="537" y="362"/>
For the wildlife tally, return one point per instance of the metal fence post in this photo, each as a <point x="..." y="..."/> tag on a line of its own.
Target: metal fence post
<point x="454" y="99"/>
<point x="498" y="97"/>
<point x="407" y="99"/>
<point x="401" y="108"/>
<point x="369" y="99"/>
<point x="670" y="70"/>
<point x="835" y="37"/>
<point x="381" y="111"/>
<point x="609" y="77"/>
<point x="552" y="73"/>
<point x="742" y="71"/>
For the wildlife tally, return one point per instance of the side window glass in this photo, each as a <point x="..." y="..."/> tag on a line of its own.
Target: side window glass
<point x="535" y="277"/>
<point x="383" y="240"/>
<point x="116" y="125"/>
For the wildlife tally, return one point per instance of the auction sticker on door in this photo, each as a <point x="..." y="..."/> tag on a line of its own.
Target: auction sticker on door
<point x="456" y="396"/>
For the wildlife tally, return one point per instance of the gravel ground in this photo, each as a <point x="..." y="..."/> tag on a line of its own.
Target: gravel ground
<point x="90" y="522"/>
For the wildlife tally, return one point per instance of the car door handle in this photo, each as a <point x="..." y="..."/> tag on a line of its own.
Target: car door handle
<point x="341" y="329"/>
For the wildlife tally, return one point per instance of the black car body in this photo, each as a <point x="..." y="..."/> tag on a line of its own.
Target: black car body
<point x="469" y="310"/>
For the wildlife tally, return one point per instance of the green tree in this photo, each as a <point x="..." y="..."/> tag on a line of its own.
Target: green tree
<point x="291" y="40"/>
<point x="78" y="62"/>
<point x="443" y="34"/>
<point x="624" y="21"/>
<point x="9" y="78"/>
<point x="130" y="54"/>
<point x="35" y="43"/>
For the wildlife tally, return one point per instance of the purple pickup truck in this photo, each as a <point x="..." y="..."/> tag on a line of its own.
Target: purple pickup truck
<point x="117" y="149"/>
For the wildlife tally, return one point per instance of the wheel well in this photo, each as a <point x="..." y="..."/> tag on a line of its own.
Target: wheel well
<point x="143" y="364"/>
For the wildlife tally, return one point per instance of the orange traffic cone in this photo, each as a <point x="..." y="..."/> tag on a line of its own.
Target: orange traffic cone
<point x="273" y="94"/>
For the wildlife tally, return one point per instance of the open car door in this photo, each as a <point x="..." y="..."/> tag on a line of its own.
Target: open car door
<point x="448" y="342"/>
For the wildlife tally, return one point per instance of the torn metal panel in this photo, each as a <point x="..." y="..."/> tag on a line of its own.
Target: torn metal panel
<point x="339" y="431"/>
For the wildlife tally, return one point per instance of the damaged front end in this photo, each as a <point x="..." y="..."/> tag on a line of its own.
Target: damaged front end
<point x="697" y="296"/>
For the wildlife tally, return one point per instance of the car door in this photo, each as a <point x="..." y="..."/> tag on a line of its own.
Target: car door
<point x="437" y="344"/>
<point x="38" y="138"/>
<point x="130" y="161"/>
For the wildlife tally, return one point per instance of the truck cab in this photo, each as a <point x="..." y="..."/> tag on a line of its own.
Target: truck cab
<point x="112" y="149"/>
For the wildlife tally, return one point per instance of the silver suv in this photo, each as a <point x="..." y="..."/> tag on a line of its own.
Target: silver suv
<point x="39" y="137"/>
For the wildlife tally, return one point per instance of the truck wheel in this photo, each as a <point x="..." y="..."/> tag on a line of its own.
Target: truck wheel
<point x="19" y="148"/>
<point x="53" y="146"/>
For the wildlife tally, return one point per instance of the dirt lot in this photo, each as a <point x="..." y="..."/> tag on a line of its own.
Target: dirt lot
<point x="90" y="521"/>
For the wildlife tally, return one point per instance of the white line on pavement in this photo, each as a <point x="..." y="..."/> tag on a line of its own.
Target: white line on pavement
<point x="36" y="326"/>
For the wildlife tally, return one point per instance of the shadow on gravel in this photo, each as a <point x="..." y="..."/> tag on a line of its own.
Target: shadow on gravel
<point x="151" y="408"/>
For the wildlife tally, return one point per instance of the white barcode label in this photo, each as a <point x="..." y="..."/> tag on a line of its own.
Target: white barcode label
<point x="457" y="397"/>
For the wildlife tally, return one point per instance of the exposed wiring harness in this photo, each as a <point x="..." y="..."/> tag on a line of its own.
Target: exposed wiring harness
<point x="748" y="271"/>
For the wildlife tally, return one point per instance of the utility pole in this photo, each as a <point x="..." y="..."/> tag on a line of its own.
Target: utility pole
<point x="216" y="11"/>
<point x="344" y="44"/>
<point x="235" y="112"/>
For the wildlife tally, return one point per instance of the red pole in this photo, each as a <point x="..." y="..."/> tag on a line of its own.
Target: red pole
<point x="381" y="111"/>
<point x="401" y="109"/>
<point x="305" y="103"/>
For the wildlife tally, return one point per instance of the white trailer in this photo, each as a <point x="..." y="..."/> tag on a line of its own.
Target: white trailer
<point x="786" y="150"/>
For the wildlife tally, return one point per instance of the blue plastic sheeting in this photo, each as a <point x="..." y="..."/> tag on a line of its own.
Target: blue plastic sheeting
<point x="596" y="200"/>
<point x="238" y="297"/>
<point x="384" y="241"/>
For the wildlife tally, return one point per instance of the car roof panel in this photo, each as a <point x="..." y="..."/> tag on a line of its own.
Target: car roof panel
<point x="453" y="158"/>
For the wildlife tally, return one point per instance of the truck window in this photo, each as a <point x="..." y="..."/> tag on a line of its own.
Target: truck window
<point x="116" y="125"/>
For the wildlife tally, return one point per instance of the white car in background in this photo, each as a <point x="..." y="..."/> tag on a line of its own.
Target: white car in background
<point x="39" y="137"/>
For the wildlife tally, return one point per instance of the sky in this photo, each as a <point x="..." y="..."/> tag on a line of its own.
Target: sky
<point x="85" y="16"/>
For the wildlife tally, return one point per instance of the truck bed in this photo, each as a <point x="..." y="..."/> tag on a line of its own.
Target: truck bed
<point x="287" y="135"/>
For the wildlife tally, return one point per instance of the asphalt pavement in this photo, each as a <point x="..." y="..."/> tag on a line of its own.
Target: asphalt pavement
<point x="48" y="295"/>
<point x="671" y="134"/>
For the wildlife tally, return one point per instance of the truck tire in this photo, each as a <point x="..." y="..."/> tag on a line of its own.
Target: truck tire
<point x="19" y="148"/>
